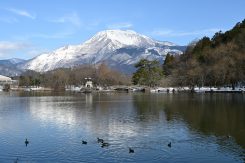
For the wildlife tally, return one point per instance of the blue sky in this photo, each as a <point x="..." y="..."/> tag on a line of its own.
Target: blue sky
<point x="30" y="27"/>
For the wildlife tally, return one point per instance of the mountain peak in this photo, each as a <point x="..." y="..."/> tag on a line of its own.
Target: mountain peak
<point x="118" y="48"/>
<point x="122" y="38"/>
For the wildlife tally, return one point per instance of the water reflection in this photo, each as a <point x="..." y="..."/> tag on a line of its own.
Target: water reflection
<point x="193" y="123"/>
<point x="101" y="116"/>
<point x="51" y="109"/>
<point x="89" y="100"/>
<point x="219" y="115"/>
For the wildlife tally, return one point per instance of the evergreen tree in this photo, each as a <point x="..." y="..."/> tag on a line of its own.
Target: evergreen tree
<point x="216" y="62"/>
<point x="148" y="73"/>
<point x="168" y="64"/>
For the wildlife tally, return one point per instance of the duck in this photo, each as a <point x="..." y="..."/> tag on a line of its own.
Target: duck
<point x="130" y="150"/>
<point x="84" y="142"/>
<point x="100" y="140"/>
<point x="104" y="144"/>
<point x="26" y="142"/>
<point x="169" y="144"/>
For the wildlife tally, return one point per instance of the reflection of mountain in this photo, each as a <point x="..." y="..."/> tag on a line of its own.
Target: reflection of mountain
<point x="53" y="110"/>
<point x="97" y="115"/>
<point x="214" y="114"/>
<point x="124" y="116"/>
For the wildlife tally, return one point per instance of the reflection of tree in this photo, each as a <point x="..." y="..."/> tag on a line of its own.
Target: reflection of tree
<point x="219" y="114"/>
<point x="148" y="106"/>
<point x="215" y="114"/>
<point x="121" y="114"/>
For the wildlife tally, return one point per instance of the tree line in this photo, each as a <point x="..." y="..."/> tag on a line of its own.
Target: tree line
<point x="216" y="61"/>
<point x="219" y="61"/>
<point x="59" y="78"/>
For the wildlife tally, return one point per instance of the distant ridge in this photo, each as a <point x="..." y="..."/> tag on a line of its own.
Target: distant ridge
<point x="8" y="67"/>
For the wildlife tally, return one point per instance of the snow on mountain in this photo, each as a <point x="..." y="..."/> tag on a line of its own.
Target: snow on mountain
<point x="16" y="60"/>
<point x="8" y="67"/>
<point x="122" y="38"/>
<point x="12" y="61"/>
<point x="119" y="49"/>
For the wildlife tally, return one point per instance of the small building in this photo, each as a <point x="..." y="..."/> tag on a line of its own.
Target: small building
<point x="89" y="83"/>
<point x="6" y="82"/>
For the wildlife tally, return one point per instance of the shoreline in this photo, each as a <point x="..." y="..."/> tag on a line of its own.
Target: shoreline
<point x="133" y="89"/>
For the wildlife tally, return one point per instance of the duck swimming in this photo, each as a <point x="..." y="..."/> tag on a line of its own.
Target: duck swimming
<point x="130" y="150"/>
<point x="100" y="140"/>
<point x="26" y="142"/>
<point x="104" y="145"/>
<point x="169" y="144"/>
<point x="84" y="142"/>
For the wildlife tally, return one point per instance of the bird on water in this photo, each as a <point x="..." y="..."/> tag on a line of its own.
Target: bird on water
<point x="84" y="142"/>
<point x="26" y="142"/>
<point x="130" y="150"/>
<point x="100" y="140"/>
<point x="104" y="144"/>
<point x="169" y="144"/>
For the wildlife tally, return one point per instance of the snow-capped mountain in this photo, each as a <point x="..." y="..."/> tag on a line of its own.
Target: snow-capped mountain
<point x="8" y="67"/>
<point x="119" y="49"/>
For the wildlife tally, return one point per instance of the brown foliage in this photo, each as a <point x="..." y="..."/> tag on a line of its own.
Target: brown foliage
<point x="59" y="78"/>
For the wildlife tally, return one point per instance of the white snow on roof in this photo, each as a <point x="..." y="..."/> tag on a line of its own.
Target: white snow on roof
<point x="4" y="78"/>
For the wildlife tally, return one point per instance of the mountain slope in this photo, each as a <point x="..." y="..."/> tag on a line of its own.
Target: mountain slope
<point x="119" y="49"/>
<point x="9" y="67"/>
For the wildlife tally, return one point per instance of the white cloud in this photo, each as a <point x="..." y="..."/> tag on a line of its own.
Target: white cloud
<point x="122" y="25"/>
<point x="7" y="47"/>
<point x="72" y="18"/>
<point x="21" y="13"/>
<point x="19" y="49"/>
<point x="172" y="33"/>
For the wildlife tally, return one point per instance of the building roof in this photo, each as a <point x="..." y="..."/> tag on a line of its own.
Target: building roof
<point x="4" y="78"/>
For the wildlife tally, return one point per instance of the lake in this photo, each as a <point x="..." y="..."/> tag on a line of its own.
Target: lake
<point x="200" y="127"/>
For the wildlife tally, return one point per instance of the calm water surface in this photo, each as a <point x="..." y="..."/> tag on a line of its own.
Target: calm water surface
<point x="198" y="126"/>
